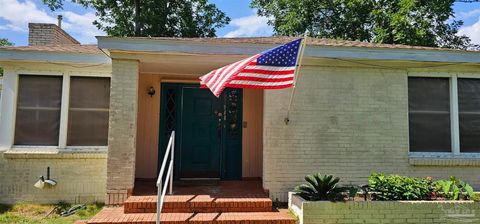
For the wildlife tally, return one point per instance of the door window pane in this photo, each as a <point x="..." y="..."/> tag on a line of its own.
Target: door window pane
<point x="429" y="114"/>
<point x="469" y="114"/>
<point x="38" y="110"/>
<point x="88" y="111"/>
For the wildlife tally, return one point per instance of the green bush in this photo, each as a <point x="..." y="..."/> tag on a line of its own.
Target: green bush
<point x="454" y="189"/>
<point x="396" y="187"/>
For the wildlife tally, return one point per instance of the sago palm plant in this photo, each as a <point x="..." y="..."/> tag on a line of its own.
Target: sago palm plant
<point x="320" y="187"/>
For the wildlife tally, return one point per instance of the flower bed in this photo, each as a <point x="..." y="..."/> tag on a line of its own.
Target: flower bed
<point x="324" y="212"/>
<point x="386" y="199"/>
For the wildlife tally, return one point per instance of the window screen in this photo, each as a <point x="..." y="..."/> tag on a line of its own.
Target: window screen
<point x="469" y="114"/>
<point x="429" y="114"/>
<point x="38" y="110"/>
<point x="88" y="111"/>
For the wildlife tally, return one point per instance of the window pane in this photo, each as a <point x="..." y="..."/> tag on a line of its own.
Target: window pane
<point x="38" y="110"/>
<point x="469" y="114"/>
<point x="88" y="112"/>
<point x="429" y="114"/>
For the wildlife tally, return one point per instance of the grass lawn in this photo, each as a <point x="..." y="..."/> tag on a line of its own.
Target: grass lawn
<point x="32" y="213"/>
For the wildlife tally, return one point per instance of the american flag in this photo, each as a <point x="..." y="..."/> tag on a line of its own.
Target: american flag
<point x="271" y="69"/>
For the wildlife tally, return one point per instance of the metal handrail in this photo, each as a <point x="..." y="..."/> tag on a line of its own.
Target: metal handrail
<point x="161" y="190"/>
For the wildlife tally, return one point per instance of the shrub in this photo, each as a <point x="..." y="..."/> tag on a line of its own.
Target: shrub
<point x="395" y="187"/>
<point x="320" y="187"/>
<point x="454" y="189"/>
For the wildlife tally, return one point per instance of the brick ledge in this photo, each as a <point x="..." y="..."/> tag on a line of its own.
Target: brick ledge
<point x="428" y="161"/>
<point x="48" y="154"/>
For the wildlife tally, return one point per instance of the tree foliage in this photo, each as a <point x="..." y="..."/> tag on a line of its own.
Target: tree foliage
<point x="4" y="42"/>
<point x="165" y="18"/>
<point x="411" y="22"/>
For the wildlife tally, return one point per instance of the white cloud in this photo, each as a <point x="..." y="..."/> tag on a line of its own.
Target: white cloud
<point x="249" y="26"/>
<point x="18" y="14"/>
<point x="469" y="14"/>
<point x="81" y="27"/>
<point x="472" y="31"/>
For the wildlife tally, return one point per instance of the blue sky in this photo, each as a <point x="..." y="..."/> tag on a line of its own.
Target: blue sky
<point x="16" y="14"/>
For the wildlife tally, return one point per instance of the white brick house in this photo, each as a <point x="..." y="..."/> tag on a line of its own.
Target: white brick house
<point x="359" y="108"/>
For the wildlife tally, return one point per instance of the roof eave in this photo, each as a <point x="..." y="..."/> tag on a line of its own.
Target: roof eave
<point x="60" y="57"/>
<point x="344" y="52"/>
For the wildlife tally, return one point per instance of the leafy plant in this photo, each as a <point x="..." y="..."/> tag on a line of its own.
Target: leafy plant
<point x="396" y="187"/>
<point x="320" y="187"/>
<point x="455" y="189"/>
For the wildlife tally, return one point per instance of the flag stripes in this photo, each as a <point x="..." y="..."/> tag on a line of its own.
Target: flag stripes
<point x="276" y="71"/>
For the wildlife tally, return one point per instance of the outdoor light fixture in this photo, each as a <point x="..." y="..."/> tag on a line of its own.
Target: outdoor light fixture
<point x="42" y="182"/>
<point x="151" y="91"/>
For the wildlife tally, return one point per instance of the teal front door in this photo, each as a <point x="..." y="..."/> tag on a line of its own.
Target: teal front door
<point x="201" y="134"/>
<point x="208" y="131"/>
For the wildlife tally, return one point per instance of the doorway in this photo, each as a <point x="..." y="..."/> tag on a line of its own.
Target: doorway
<point x="208" y="142"/>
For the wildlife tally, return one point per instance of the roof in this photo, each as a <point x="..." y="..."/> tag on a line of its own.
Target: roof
<point x="317" y="48"/>
<point x="283" y="40"/>
<point x="64" y="48"/>
<point x="65" y="53"/>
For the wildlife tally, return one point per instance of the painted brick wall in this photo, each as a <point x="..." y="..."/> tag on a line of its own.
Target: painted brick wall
<point x="349" y="122"/>
<point x="122" y="130"/>
<point x="391" y="212"/>
<point x="81" y="177"/>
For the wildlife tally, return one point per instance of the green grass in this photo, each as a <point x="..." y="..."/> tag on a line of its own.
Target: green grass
<point x="42" y="214"/>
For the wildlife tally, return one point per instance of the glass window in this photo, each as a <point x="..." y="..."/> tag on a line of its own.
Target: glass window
<point x="88" y="111"/>
<point x="469" y="114"/>
<point x="429" y="114"/>
<point x="38" y="110"/>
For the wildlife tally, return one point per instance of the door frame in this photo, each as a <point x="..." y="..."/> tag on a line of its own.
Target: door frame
<point x="163" y="138"/>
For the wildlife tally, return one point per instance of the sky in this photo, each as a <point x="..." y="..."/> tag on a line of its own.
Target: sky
<point x="77" y="21"/>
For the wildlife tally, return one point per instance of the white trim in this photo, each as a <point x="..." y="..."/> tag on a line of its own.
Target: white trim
<point x="454" y="120"/>
<point x="226" y="48"/>
<point x="57" y="57"/>
<point x="62" y="136"/>
<point x="40" y="73"/>
<point x="90" y="74"/>
<point x="469" y="76"/>
<point x="8" y="108"/>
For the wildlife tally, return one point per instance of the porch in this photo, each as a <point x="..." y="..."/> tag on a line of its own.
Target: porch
<point x="155" y="93"/>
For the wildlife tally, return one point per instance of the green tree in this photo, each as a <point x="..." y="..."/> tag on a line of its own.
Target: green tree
<point x="163" y="18"/>
<point x="4" y="42"/>
<point x="411" y="22"/>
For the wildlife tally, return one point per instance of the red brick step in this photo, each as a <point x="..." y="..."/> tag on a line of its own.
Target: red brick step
<point x="197" y="203"/>
<point x="117" y="216"/>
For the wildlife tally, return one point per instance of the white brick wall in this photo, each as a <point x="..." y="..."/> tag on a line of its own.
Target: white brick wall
<point x="375" y="212"/>
<point x="81" y="177"/>
<point x="122" y="130"/>
<point x="349" y="122"/>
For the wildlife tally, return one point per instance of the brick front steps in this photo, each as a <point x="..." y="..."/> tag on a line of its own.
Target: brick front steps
<point x="116" y="215"/>
<point x="196" y="204"/>
<point x="195" y="209"/>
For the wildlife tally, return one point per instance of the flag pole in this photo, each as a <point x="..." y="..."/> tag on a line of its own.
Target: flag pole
<point x="297" y="72"/>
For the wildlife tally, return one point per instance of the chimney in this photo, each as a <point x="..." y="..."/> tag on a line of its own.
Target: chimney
<point x="41" y="34"/>
<point x="59" y="18"/>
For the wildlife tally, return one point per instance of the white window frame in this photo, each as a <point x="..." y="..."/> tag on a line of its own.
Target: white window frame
<point x="454" y="117"/>
<point x="7" y="131"/>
